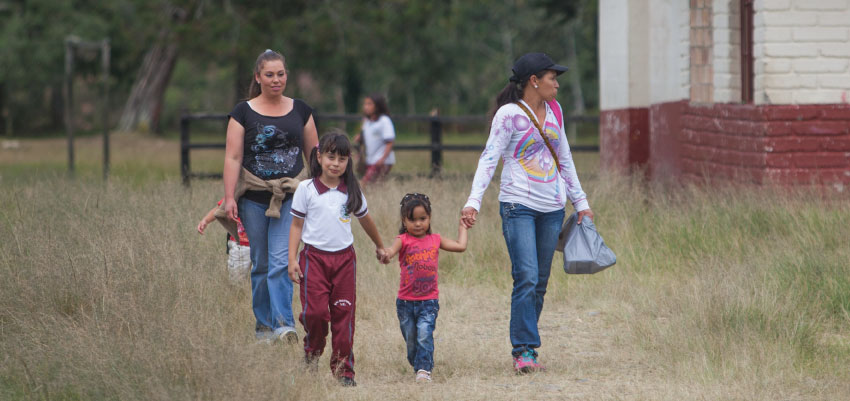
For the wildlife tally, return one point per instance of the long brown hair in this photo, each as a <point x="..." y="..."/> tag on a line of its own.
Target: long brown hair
<point x="269" y="55"/>
<point x="336" y="141"/>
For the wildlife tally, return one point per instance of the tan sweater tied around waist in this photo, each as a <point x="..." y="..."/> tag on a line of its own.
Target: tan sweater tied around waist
<point x="279" y="187"/>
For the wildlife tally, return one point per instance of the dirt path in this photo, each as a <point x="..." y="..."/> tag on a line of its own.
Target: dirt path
<point x="581" y="351"/>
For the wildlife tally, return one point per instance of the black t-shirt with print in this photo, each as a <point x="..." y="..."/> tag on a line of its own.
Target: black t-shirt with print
<point x="273" y="145"/>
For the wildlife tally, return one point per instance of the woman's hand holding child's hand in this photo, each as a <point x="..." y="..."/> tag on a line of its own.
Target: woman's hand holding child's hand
<point x="468" y="216"/>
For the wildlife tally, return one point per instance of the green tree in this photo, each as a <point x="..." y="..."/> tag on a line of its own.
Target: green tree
<point x="449" y="54"/>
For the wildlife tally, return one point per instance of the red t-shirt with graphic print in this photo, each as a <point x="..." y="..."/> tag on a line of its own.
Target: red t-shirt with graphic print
<point x="418" y="261"/>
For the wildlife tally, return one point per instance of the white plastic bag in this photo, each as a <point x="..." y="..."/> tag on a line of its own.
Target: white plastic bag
<point x="584" y="250"/>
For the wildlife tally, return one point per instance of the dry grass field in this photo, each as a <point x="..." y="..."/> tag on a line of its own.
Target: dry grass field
<point x="719" y="293"/>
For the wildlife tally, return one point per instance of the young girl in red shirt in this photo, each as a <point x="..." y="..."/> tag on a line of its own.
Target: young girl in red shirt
<point x="417" y="304"/>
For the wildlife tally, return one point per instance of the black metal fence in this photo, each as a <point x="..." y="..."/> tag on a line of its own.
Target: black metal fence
<point x="436" y="125"/>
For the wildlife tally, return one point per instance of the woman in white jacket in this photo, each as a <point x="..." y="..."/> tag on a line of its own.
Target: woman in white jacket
<point x="538" y="180"/>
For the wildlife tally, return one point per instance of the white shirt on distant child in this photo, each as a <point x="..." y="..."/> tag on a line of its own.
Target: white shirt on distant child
<point x="376" y="134"/>
<point x="327" y="225"/>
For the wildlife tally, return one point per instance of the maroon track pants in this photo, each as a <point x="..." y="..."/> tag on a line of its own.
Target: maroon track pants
<point x="328" y="294"/>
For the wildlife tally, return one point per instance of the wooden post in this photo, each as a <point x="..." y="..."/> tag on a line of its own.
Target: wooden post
<point x="104" y="65"/>
<point x="184" y="149"/>
<point x="436" y="145"/>
<point x="69" y="102"/>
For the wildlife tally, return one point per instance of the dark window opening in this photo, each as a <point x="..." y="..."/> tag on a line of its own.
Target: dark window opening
<point x="746" y="51"/>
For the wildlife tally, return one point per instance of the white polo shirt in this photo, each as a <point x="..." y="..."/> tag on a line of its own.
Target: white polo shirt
<point x="376" y="134"/>
<point x="326" y="224"/>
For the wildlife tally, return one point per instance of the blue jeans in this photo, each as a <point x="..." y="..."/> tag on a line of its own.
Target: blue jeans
<point x="270" y="284"/>
<point x="531" y="237"/>
<point x="417" y="320"/>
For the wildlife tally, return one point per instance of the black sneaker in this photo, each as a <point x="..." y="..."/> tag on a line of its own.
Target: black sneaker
<point x="347" y="381"/>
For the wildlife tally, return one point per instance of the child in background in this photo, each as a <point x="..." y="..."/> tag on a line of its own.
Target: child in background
<point x="238" y="253"/>
<point x="326" y="267"/>
<point x="417" y="304"/>
<point x="377" y="135"/>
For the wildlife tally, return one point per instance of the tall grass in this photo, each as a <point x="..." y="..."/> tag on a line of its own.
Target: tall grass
<point x="719" y="292"/>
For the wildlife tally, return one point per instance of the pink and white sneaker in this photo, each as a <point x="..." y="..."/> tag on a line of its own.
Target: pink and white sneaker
<point x="527" y="363"/>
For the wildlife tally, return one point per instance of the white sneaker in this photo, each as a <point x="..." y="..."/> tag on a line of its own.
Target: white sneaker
<point x="423" y="376"/>
<point x="264" y="335"/>
<point x="288" y="335"/>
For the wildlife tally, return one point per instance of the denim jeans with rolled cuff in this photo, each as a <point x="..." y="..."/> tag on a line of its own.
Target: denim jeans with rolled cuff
<point x="271" y="287"/>
<point x="417" y="320"/>
<point x="531" y="237"/>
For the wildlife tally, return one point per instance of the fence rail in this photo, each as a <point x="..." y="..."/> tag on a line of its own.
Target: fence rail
<point x="436" y="146"/>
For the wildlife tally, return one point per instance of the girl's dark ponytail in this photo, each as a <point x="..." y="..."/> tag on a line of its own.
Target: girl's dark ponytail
<point x="315" y="167"/>
<point x="355" y="194"/>
<point x="335" y="141"/>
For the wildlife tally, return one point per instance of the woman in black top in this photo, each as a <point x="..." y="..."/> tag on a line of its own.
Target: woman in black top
<point x="267" y="135"/>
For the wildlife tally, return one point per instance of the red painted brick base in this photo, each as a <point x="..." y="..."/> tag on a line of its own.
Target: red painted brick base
<point x="624" y="138"/>
<point x="744" y="143"/>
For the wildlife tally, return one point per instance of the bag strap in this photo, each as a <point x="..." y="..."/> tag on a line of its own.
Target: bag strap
<point x="556" y="108"/>
<point x="542" y="134"/>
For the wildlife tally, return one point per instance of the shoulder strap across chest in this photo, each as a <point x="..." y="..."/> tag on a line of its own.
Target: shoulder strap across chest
<point x="542" y="134"/>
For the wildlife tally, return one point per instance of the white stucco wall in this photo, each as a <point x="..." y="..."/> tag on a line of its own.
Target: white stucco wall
<point x="802" y="50"/>
<point x="614" y="50"/>
<point x="639" y="52"/>
<point x="668" y="55"/>
<point x="643" y="52"/>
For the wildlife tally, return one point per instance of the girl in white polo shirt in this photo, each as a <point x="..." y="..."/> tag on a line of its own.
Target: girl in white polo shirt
<point x="325" y="270"/>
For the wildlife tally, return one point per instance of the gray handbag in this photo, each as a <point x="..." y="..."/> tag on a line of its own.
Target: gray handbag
<point x="584" y="250"/>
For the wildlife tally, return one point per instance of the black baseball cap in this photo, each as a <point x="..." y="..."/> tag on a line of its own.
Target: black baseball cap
<point x="532" y="63"/>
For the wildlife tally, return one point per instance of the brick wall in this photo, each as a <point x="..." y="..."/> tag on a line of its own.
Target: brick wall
<point x="694" y="126"/>
<point x="701" y="45"/>
<point x="799" y="129"/>
<point x="765" y="144"/>
<point x="802" y="50"/>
